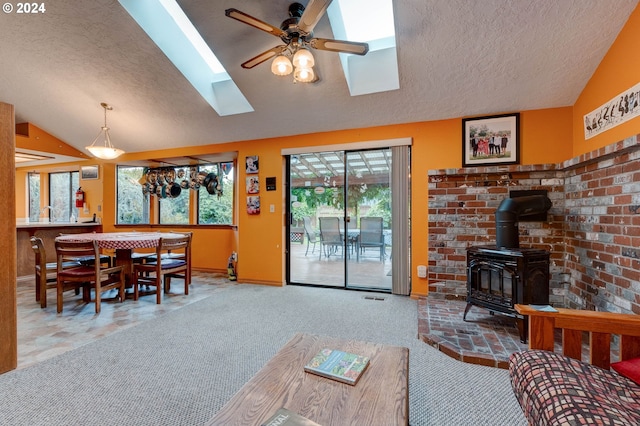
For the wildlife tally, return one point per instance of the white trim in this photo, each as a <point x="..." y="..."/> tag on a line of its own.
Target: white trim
<point x="354" y="146"/>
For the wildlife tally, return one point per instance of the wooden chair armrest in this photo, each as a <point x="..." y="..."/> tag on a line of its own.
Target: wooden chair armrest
<point x="599" y="325"/>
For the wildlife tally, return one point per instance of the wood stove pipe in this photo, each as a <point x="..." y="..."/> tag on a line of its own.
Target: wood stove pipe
<point x="510" y="210"/>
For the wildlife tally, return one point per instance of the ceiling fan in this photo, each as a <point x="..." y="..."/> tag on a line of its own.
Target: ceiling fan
<point x="297" y="34"/>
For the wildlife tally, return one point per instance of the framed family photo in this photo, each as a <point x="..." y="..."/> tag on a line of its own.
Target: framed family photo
<point x="491" y="140"/>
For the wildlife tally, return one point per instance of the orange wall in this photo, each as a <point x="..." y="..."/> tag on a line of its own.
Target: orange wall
<point x="259" y="239"/>
<point x="618" y="71"/>
<point x="545" y="138"/>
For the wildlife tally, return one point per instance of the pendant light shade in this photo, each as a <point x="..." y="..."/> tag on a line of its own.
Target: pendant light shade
<point x="303" y="59"/>
<point x="105" y="150"/>
<point x="281" y="65"/>
<point x="304" y="75"/>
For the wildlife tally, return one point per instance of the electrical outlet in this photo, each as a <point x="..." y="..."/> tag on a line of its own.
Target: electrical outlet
<point x="422" y="271"/>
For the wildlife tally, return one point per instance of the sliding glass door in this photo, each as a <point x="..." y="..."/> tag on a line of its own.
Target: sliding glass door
<point x="340" y="209"/>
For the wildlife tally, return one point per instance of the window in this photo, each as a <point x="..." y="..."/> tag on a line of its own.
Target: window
<point x="217" y="209"/>
<point x="175" y="210"/>
<point x="133" y="202"/>
<point x="135" y="195"/>
<point x="33" y="180"/>
<point x="62" y="189"/>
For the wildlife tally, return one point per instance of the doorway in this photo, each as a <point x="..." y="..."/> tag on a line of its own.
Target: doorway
<point x="341" y="219"/>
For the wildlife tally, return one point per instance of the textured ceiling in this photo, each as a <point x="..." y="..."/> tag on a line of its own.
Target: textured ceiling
<point x="456" y="58"/>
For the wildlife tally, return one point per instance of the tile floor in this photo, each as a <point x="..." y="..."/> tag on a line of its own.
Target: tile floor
<point x="42" y="333"/>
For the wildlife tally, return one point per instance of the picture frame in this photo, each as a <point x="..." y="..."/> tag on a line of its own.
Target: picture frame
<point x="253" y="204"/>
<point x="491" y="140"/>
<point x="251" y="163"/>
<point x="252" y="185"/>
<point x="89" y="172"/>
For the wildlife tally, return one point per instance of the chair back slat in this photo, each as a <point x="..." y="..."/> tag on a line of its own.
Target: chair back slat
<point x="173" y="243"/>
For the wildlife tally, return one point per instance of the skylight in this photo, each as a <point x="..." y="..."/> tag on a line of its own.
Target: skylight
<point x="168" y="26"/>
<point x="371" y="22"/>
<point x="368" y="22"/>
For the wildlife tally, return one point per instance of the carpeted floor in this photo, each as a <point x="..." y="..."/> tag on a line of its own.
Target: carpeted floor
<point x="181" y="368"/>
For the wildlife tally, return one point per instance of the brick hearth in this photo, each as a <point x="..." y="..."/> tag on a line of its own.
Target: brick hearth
<point x="483" y="339"/>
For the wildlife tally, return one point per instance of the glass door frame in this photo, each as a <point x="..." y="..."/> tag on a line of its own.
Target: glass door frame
<point x="346" y="219"/>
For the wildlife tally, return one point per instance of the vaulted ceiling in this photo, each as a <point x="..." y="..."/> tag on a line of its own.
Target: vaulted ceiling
<point x="456" y="58"/>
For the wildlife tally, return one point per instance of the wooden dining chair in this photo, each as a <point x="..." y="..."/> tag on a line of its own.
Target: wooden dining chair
<point x="94" y="276"/>
<point x="172" y="260"/>
<point x="45" y="271"/>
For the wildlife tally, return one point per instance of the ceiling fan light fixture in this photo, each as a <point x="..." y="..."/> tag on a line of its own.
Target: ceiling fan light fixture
<point x="106" y="151"/>
<point x="303" y="59"/>
<point x="281" y="66"/>
<point x="304" y="75"/>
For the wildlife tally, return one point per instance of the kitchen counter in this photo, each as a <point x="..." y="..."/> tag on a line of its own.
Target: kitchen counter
<point x="49" y="225"/>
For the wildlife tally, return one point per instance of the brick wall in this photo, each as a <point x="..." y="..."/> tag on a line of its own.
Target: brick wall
<point x="592" y="229"/>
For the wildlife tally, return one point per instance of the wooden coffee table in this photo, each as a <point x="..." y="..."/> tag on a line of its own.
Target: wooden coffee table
<point x="380" y="397"/>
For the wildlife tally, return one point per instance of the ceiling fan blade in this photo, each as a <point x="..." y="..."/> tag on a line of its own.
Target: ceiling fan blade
<point x="264" y="56"/>
<point x="312" y="14"/>
<point x="254" y="22"/>
<point x="354" y="47"/>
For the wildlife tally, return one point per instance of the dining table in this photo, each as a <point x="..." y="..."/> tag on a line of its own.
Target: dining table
<point x="123" y="243"/>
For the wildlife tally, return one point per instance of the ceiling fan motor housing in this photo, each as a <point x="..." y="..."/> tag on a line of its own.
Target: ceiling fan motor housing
<point x="290" y="25"/>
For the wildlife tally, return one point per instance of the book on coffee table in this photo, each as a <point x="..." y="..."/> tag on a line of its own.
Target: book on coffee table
<point x="338" y="365"/>
<point x="284" y="417"/>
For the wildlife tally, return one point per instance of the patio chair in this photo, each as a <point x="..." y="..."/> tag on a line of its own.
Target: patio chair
<point x="371" y="235"/>
<point x="310" y="232"/>
<point x="330" y="236"/>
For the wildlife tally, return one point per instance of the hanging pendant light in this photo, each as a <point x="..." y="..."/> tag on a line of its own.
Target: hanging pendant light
<point x="106" y="151"/>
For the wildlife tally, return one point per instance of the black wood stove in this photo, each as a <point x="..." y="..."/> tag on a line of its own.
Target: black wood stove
<point x="500" y="276"/>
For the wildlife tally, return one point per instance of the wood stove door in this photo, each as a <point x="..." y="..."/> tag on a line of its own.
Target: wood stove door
<point x="492" y="285"/>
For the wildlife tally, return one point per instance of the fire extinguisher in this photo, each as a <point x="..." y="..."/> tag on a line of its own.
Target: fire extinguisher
<point x="79" y="198"/>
